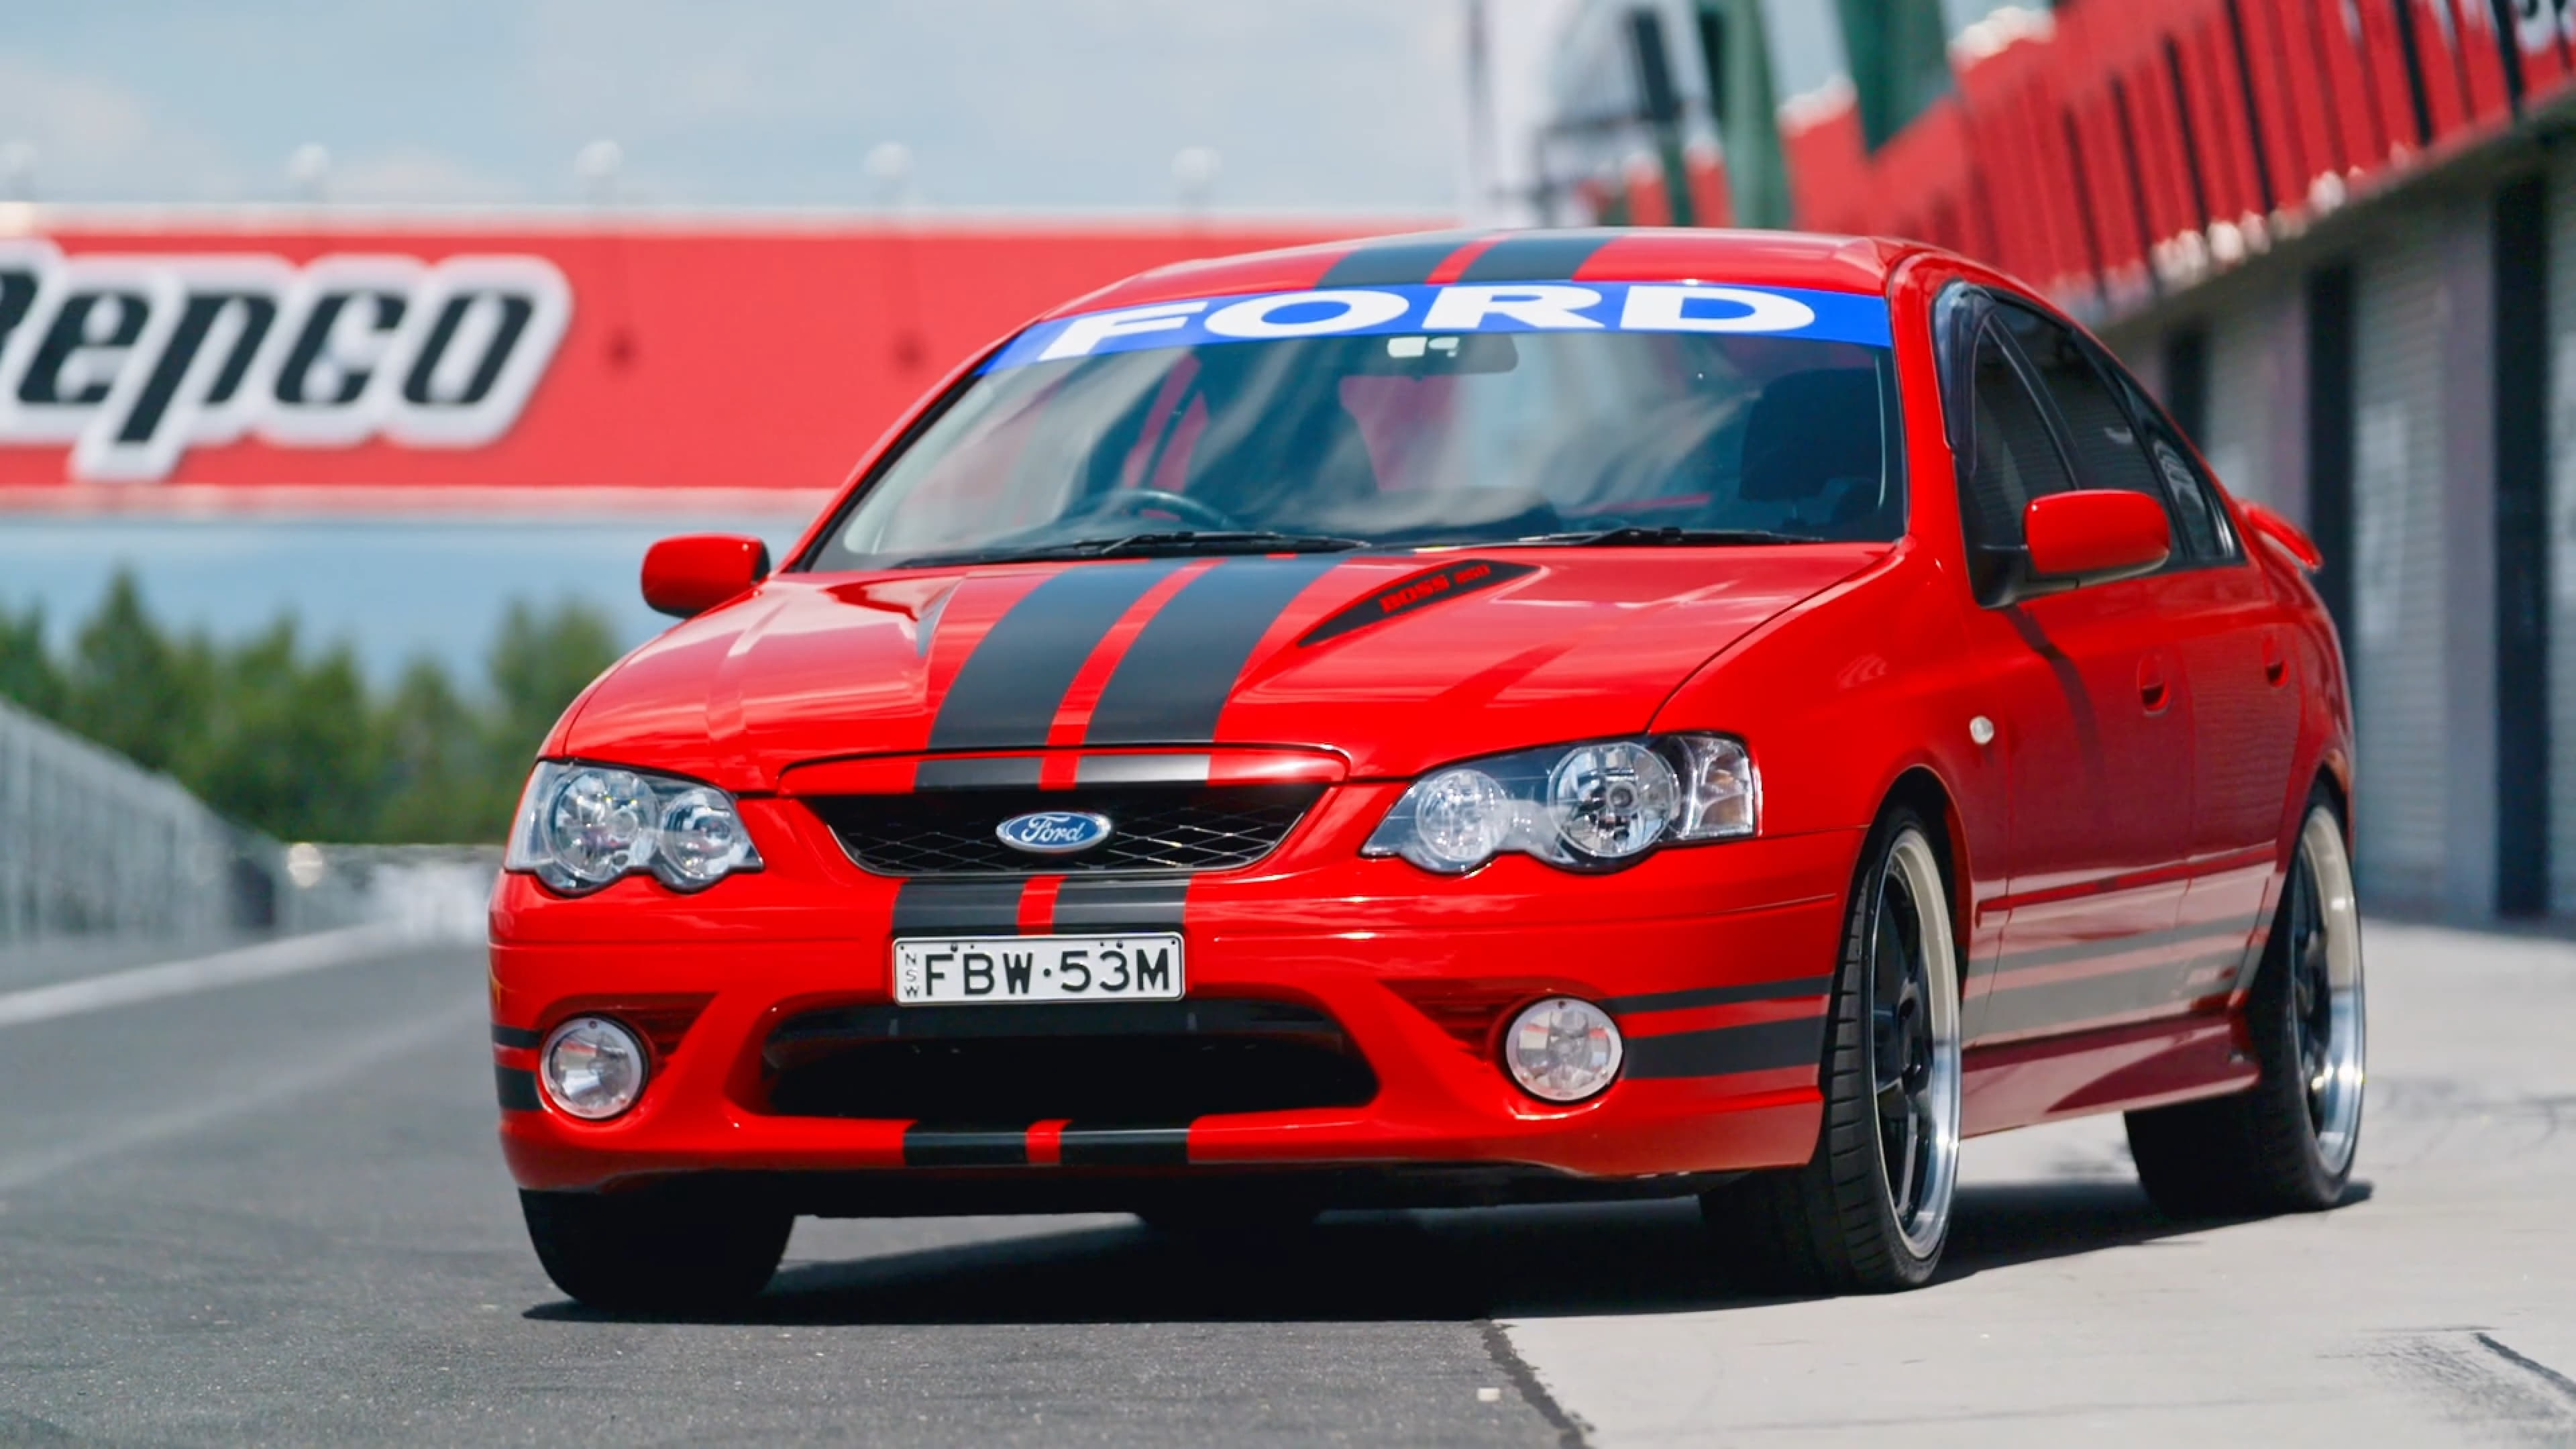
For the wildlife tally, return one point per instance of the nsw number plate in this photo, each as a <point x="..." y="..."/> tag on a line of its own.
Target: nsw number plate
<point x="1037" y="968"/>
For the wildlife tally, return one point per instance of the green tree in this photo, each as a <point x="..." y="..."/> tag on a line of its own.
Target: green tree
<point x="290" y="744"/>
<point x="538" y="664"/>
<point x="293" y="744"/>
<point x="441" y="781"/>
<point x="131" y="687"/>
<point x="29" y="677"/>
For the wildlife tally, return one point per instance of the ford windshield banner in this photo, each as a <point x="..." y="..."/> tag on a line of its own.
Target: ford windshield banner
<point x="1506" y="307"/>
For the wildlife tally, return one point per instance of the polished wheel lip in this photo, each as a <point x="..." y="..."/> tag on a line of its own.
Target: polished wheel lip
<point x="2325" y="941"/>
<point x="1928" y="1083"/>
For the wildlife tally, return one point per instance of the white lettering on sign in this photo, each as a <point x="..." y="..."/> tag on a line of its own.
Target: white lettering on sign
<point x="134" y="359"/>
<point x="1321" y="313"/>
<point x="1464" y="309"/>
<point x="1540" y="306"/>
<point x="1712" y="309"/>
<point x="1089" y="332"/>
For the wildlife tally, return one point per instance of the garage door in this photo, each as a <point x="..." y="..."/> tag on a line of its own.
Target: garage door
<point x="2396" y="642"/>
<point x="2246" y="407"/>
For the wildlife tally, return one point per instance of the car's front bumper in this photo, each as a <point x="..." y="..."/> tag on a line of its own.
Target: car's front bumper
<point x="1714" y="960"/>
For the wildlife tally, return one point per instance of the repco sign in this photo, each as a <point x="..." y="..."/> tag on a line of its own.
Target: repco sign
<point x="134" y="359"/>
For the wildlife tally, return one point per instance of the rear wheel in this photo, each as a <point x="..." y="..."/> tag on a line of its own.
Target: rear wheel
<point x="1871" y="1210"/>
<point x="651" y="1252"/>
<point x="2287" y="1144"/>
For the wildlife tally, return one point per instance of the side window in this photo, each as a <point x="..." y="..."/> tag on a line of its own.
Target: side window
<point x="2015" y="460"/>
<point x="2108" y="453"/>
<point x="2204" y="533"/>
<point x="2120" y="439"/>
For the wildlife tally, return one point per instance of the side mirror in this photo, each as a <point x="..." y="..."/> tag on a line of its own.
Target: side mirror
<point x="2285" y="533"/>
<point x="695" y="572"/>
<point x="2095" y="536"/>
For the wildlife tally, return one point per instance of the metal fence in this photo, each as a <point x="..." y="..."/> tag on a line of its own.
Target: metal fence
<point x="92" y="844"/>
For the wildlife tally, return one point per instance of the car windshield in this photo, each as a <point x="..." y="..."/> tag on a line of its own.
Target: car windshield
<point x="1146" y="434"/>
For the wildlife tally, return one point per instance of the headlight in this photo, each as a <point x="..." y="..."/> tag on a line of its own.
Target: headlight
<point x="594" y="1068"/>
<point x="583" y="826"/>
<point x="1589" y="806"/>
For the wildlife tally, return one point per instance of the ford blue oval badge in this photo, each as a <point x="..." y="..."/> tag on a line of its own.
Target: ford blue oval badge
<point x="1053" y="832"/>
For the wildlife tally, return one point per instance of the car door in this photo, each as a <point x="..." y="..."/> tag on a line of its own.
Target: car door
<point x="2236" y="634"/>
<point x="2090" y="709"/>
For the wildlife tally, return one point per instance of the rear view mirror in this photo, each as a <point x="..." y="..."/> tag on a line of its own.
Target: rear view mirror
<point x="695" y="572"/>
<point x="2095" y="536"/>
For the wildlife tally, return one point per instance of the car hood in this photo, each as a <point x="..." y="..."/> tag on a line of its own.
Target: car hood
<point x="1396" y="662"/>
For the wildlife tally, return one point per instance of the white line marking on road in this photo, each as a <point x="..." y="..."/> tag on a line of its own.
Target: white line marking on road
<point x="362" y="1050"/>
<point x="266" y="961"/>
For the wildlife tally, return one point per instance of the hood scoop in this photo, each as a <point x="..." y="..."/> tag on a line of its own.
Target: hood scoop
<point x="1419" y="591"/>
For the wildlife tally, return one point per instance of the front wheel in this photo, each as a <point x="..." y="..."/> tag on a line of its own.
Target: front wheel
<point x="652" y="1252"/>
<point x="2287" y="1144"/>
<point x="1871" y="1209"/>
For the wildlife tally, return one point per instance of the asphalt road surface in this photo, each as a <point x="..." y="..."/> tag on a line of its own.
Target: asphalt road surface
<point x="262" y="1204"/>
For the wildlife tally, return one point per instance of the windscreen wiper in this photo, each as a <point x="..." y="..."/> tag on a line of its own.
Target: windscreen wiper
<point x="1148" y="545"/>
<point x="1634" y="536"/>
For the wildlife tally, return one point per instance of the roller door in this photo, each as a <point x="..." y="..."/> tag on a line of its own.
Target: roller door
<point x="2399" y="549"/>
<point x="2246" y="402"/>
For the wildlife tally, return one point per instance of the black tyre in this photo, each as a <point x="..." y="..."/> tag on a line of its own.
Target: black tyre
<point x="2287" y="1144"/>
<point x="650" y="1252"/>
<point x="1871" y="1210"/>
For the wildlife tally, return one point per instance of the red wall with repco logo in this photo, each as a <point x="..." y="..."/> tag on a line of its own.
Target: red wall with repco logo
<point x="239" y="358"/>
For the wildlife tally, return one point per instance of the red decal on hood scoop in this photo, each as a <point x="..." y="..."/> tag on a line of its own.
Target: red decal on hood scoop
<point x="1421" y="590"/>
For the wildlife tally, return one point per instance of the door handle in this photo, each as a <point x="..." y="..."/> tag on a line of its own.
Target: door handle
<point x="2151" y="685"/>
<point x="2276" y="666"/>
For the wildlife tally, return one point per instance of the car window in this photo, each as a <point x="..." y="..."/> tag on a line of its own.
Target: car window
<point x="2107" y="449"/>
<point x="1402" y="437"/>
<point x="2203" y="534"/>
<point x="2016" y="456"/>
<point x="2121" y="440"/>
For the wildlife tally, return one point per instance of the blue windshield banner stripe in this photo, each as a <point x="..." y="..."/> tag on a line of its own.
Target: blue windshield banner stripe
<point x="1692" y="307"/>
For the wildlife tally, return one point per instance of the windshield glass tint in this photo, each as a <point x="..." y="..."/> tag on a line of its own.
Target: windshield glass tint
<point x="1497" y="430"/>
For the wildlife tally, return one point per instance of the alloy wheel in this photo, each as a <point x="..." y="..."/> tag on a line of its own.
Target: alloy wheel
<point x="1914" y="1042"/>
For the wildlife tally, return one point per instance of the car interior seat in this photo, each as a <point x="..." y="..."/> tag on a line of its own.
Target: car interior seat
<point x="1812" y="442"/>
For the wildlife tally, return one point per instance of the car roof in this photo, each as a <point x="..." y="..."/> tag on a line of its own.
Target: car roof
<point x="1604" y="254"/>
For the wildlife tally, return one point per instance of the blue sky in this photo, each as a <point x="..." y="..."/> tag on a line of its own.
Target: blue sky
<point x="1311" y="104"/>
<point x="1347" y="106"/>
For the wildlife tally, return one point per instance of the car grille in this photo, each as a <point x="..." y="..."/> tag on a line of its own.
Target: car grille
<point x="1124" y="1061"/>
<point x="1155" y="828"/>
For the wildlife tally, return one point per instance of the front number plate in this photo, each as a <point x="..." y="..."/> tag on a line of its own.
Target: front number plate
<point x="976" y="969"/>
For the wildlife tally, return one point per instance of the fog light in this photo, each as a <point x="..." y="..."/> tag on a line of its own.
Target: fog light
<point x="1562" y="1049"/>
<point x="593" y="1067"/>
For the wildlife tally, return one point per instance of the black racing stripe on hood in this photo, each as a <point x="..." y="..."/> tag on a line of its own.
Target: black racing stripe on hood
<point x="1007" y="693"/>
<point x="1393" y="263"/>
<point x="979" y="772"/>
<point x="1418" y="591"/>
<point x="1537" y="257"/>
<point x="1178" y="674"/>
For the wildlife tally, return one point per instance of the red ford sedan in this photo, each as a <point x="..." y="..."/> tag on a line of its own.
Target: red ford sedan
<point x="1448" y="720"/>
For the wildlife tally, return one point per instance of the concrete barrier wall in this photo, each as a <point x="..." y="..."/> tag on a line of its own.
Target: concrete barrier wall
<point x="92" y="844"/>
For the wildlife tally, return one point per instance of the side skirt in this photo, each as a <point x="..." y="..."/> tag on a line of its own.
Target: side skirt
<point x="2148" y="1064"/>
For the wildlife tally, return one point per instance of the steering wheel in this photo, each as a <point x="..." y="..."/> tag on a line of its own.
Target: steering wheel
<point x="1140" y="503"/>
